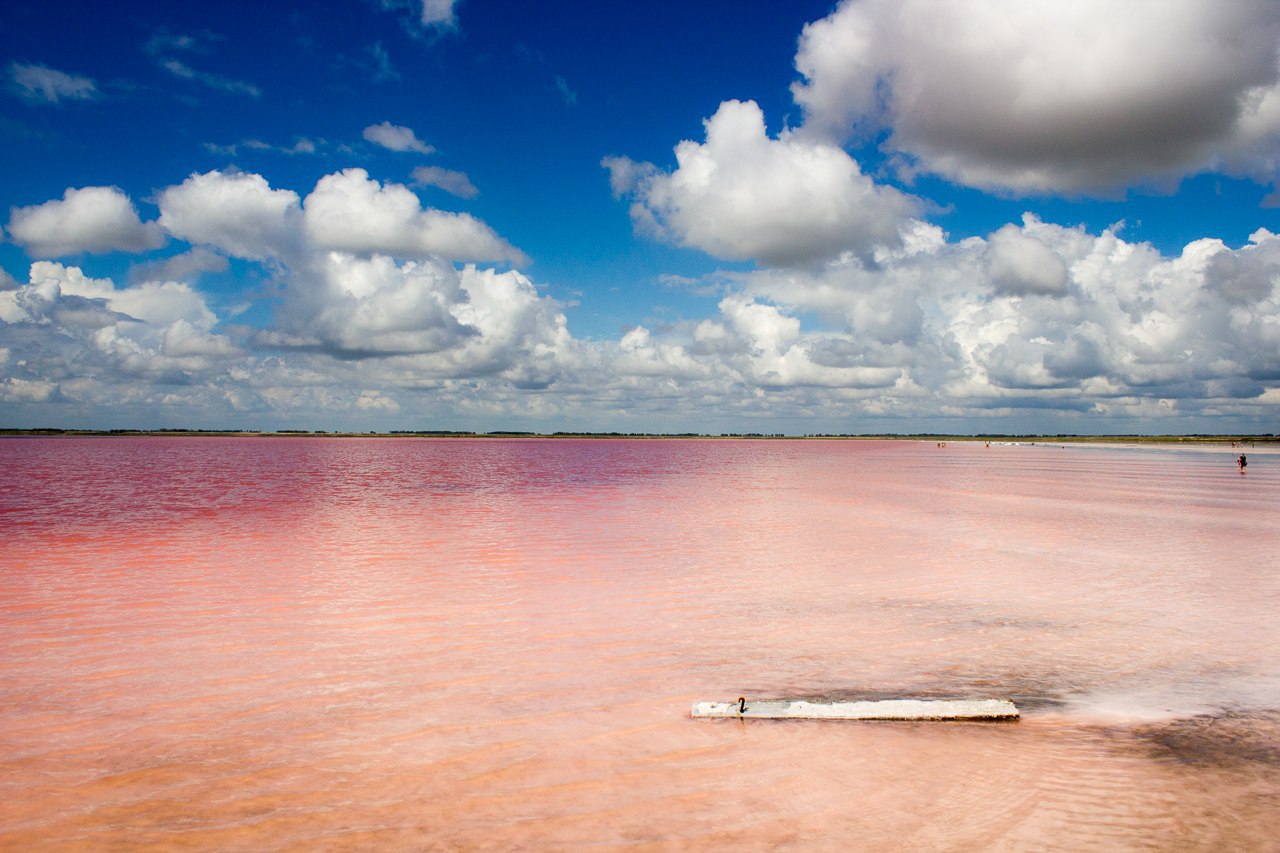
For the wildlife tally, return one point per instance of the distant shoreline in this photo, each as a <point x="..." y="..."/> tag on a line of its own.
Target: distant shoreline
<point x="1186" y="440"/>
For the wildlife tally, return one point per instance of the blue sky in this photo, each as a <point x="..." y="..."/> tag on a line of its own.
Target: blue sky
<point x="796" y="217"/>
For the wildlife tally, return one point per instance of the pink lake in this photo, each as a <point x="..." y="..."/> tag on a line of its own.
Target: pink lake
<point x="416" y="644"/>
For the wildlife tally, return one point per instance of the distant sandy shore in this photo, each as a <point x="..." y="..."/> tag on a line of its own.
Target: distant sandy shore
<point x="1248" y="446"/>
<point x="1256" y="442"/>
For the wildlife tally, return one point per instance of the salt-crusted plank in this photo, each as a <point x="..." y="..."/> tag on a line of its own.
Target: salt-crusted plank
<point x="889" y="709"/>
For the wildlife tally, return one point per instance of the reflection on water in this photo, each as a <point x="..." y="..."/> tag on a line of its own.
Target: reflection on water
<point x="423" y="644"/>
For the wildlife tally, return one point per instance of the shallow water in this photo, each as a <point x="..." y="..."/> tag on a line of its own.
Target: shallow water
<point x="249" y="643"/>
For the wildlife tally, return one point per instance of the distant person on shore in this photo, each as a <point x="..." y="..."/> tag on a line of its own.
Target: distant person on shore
<point x="1241" y="462"/>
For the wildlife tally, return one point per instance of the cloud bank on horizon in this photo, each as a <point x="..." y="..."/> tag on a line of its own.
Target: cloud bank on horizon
<point x="817" y="289"/>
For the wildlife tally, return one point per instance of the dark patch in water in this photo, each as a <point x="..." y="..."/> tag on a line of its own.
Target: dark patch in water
<point x="1231" y="739"/>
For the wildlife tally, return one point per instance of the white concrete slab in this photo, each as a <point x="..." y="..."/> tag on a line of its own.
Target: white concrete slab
<point x="889" y="709"/>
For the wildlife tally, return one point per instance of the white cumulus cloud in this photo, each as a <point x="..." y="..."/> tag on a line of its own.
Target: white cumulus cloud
<point x="77" y="338"/>
<point x="1035" y="315"/>
<point x="425" y="317"/>
<point x="92" y="219"/>
<point x="237" y="213"/>
<point x="242" y="215"/>
<point x="1045" y="96"/>
<point x="1020" y="263"/>
<point x="742" y="195"/>
<point x="350" y="212"/>
<point x="356" y="307"/>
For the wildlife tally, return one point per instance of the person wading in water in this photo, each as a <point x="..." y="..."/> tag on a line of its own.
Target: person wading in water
<point x="1242" y="462"/>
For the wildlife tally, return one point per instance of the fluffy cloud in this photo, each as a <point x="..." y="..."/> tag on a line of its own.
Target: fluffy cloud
<point x="742" y="195"/>
<point x="346" y="296"/>
<point x="1125" y="336"/>
<point x="1094" y="321"/>
<point x="92" y="219"/>
<point x="241" y="215"/>
<point x="237" y="213"/>
<point x="639" y="354"/>
<point x="396" y="138"/>
<point x="69" y="337"/>
<point x="360" y="334"/>
<point x="861" y="306"/>
<point x="1032" y="321"/>
<point x="350" y="212"/>
<point x="1019" y="263"/>
<point x="779" y="356"/>
<point x="426" y="316"/>
<point x="16" y="390"/>
<point x="966" y="331"/>
<point x="1033" y="95"/>
<point x="355" y="307"/>
<point x="47" y="85"/>
<point x="155" y="303"/>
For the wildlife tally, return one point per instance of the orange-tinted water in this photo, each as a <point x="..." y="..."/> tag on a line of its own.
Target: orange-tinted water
<point x="270" y="643"/>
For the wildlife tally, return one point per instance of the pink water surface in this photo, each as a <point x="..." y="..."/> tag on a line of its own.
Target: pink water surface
<point x="310" y="643"/>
